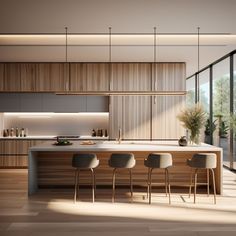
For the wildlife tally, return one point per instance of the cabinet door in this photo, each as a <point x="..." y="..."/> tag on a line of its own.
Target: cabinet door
<point x="131" y="77"/>
<point x="1" y="77"/>
<point x="97" y="76"/>
<point x="52" y="77"/>
<point x="131" y="113"/>
<point x="78" y="75"/>
<point x="28" y="77"/>
<point x="169" y="76"/>
<point x="12" y="78"/>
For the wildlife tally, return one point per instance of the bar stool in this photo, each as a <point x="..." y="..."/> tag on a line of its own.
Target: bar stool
<point x="158" y="161"/>
<point x="84" y="161"/>
<point x="202" y="161"/>
<point x="122" y="161"/>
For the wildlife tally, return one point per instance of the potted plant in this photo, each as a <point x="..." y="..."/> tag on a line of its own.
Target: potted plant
<point x="210" y="128"/>
<point x="193" y="119"/>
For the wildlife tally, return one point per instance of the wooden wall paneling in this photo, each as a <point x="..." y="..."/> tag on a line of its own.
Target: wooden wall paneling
<point x="78" y="75"/>
<point x="167" y="77"/>
<point x="115" y="116"/>
<point x="54" y="169"/>
<point x="52" y="77"/>
<point x="1" y="77"/>
<point x="14" y="153"/>
<point x="12" y="77"/>
<point x="98" y="76"/>
<point x="135" y="110"/>
<point x="28" y="77"/>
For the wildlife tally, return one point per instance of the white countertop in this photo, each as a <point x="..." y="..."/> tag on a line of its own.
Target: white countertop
<point x="46" y="137"/>
<point x="125" y="146"/>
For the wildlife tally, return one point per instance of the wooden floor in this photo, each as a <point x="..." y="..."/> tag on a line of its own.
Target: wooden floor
<point x="53" y="213"/>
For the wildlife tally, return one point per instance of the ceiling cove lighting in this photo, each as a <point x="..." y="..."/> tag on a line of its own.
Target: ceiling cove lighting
<point x="136" y="39"/>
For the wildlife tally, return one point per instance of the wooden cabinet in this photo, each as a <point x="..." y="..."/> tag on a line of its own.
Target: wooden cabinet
<point x="167" y="77"/>
<point x="131" y="77"/>
<point x="52" y="77"/>
<point x="1" y="77"/>
<point x="89" y="77"/>
<point x="28" y="77"/>
<point x="12" y="77"/>
<point x="14" y="153"/>
<point x="131" y="113"/>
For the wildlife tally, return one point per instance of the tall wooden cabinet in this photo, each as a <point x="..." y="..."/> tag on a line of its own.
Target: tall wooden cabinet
<point x="167" y="77"/>
<point x="131" y="113"/>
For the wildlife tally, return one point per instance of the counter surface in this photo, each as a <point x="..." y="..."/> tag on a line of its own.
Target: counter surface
<point x="124" y="146"/>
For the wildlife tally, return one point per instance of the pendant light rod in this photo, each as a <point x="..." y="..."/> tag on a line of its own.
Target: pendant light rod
<point x="198" y="48"/>
<point x="110" y="58"/>
<point x="66" y="29"/>
<point x="155" y="44"/>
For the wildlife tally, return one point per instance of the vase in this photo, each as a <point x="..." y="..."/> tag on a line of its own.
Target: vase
<point x="195" y="137"/>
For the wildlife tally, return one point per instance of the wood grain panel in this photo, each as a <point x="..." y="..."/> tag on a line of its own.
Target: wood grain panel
<point x="97" y="76"/>
<point x="28" y="77"/>
<point x="12" y="78"/>
<point x="1" y="77"/>
<point x="14" y="153"/>
<point x="131" y="113"/>
<point x="78" y="75"/>
<point x="52" y="77"/>
<point x="54" y="169"/>
<point x="169" y="76"/>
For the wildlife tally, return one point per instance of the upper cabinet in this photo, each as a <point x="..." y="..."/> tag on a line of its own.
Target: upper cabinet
<point x="52" y="77"/>
<point x="131" y="77"/>
<point x="168" y="76"/>
<point x="12" y="77"/>
<point x="34" y="77"/>
<point x="89" y="77"/>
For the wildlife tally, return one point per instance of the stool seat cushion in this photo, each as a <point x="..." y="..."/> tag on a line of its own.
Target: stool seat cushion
<point x="158" y="160"/>
<point x="122" y="160"/>
<point x="85" y="161"/>
<point x="203" y="160"/>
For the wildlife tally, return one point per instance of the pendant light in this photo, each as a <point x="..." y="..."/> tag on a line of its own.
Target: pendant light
<point x="66" y="59"/>
<point x="154" y="59"/>
<point x="198" y="62"/>
<point x="110" y="65"/>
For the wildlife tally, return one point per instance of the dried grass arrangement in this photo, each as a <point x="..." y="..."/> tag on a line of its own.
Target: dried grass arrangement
<point x="193" y="119"/>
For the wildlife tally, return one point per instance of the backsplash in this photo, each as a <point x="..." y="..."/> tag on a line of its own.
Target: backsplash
<point x="56" y="123"/>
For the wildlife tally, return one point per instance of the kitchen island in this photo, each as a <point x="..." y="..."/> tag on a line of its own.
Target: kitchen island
<point x="50" y="165"/>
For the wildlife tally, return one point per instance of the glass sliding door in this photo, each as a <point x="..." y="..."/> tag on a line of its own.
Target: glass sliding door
<point x="204" y="100"/>
<point x="221" y="107"/>
<point x="191" y="92"/>
<point x="233" y="165"/>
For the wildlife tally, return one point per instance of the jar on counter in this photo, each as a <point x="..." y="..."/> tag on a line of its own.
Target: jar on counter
<point x="12" y="132"/>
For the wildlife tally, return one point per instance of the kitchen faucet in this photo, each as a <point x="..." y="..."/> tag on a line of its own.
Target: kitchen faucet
<point x="119" y="135"/>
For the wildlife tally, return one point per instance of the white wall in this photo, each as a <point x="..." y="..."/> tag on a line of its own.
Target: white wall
<point x="57" y="123"/>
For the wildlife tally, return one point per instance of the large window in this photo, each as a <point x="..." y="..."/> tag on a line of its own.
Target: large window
<point x="190" y="86"/>
<point x="219" y="101"/>
<point x="221" y="106"/>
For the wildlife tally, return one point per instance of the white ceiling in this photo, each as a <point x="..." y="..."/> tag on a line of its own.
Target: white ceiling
<point x="124" y="16"/>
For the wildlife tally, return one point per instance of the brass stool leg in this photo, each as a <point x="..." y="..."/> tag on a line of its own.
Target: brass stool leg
<point x="148" y="181"/>
<point x="195" y="185"/>
<point x="131" y="184"/>
<point x="113" y="185"/>
<point x="76" y="184"/>
<point x="214" y="185"/>
<point x="208" y="188"/>
<point x="168" y="180"/>
<point x="92" y="176"/>
<point x="150" y="186"/>
<point x="191" y="182"/>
